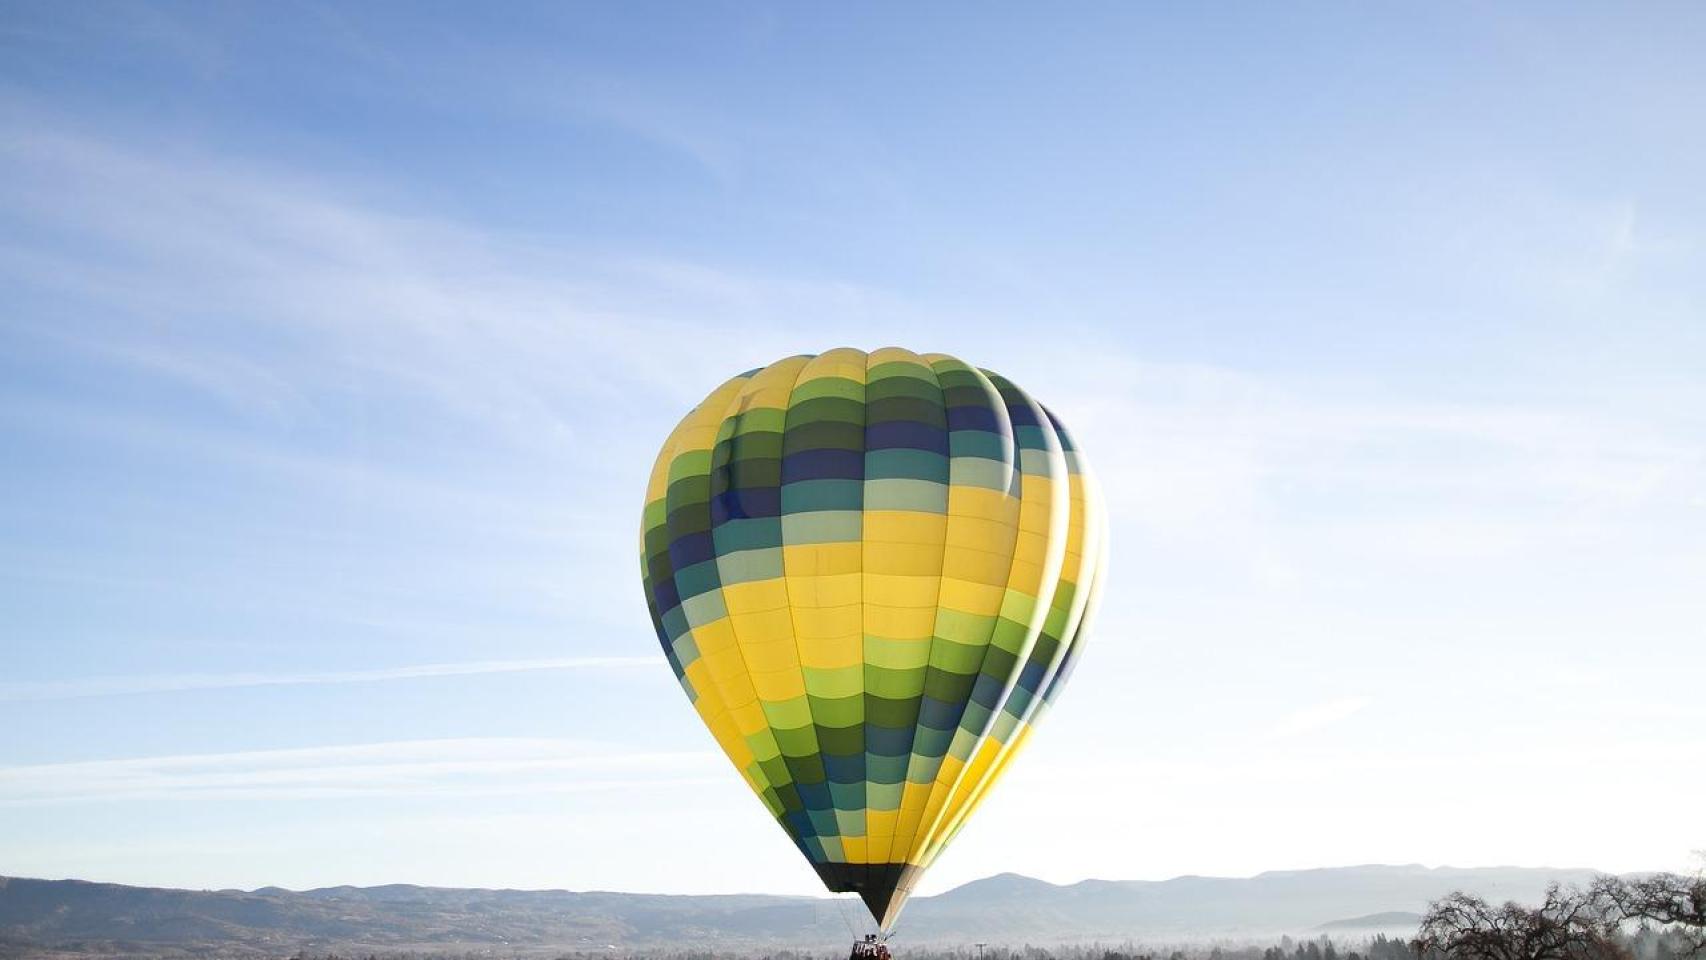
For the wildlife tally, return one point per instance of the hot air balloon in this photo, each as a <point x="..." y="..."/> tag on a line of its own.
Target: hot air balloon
<point x="871" y="573"/>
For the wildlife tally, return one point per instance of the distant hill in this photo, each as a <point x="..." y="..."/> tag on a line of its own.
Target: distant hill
<point x="81" y="918"/>
<point x="1013" y="907"/>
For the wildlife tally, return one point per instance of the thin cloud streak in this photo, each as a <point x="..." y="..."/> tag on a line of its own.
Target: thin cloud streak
<point x="475" y="766"/>
<point x="1317" y="717"/>
<point x="168" y="683"/>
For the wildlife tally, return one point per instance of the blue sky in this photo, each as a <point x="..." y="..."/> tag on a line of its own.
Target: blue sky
<point x="335" y="343"/>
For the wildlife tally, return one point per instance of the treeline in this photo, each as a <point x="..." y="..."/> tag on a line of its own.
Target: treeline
<point x="1655" y="917"/>
<point x="1378" y="947"/>
<point x="1287" y="948"/>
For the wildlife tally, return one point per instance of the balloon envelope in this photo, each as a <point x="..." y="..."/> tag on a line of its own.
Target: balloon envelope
<point x="871" y="573"/>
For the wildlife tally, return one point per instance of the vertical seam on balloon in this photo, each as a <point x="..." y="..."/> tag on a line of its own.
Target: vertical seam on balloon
<point x="945" y="816"/>
<point x="733" y="414"/>
<point x="793" y="621"/>
<point x="1094" y="556"/>
<point x="793" y="631"/>
<point x="730" y="412"/>
<point x="921" y="837"/>
<point x="714" y="694"/>
<point x="1059" y="526"/>
<point x="664" y="458"/>
<point x="1091" y="606"/>
<point x="912" y="745"/>
<point x="864" y="651"/>
<point x="674" y="443"/>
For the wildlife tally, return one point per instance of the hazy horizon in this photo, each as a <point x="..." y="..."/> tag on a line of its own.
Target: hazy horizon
<point x="1349" y="905"/>
<point x="336" y="343"/>
<point x="823" y="895"/>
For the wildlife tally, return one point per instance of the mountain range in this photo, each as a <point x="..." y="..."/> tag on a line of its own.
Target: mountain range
<point x="79" y="918"/>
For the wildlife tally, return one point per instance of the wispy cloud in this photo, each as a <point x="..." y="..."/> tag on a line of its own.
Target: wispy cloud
<point x="471" y="766"/>
<point x="508" y="330"/>
<point x="1207" y="450"/>
<point x="164" y="683"/>
<point x="1314" y="718"/>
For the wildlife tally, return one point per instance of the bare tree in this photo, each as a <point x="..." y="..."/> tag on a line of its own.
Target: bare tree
<point x="1672" y="901"/>
<point x="1566" y="926"/>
